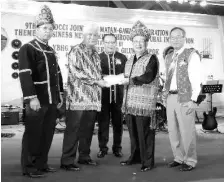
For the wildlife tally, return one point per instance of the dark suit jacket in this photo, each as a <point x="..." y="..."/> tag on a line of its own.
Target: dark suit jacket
<point x="119" y="62"/>
<point x="40" y="76"/>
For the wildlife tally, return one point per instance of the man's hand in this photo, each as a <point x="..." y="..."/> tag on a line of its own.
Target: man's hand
<point x="191" y="106"/>
<point x="164" y="102"/>
<point x="124" y="81"/>
<point x="35" y="104"/>
<point x="101" y="83"/>
<point x="61" y="103"/>
<point x="164" y="96"/>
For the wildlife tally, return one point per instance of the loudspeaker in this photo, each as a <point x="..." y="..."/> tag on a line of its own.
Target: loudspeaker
<point x="16" y="43"/>
<point x="15" y="65"/>
<point x="15" y="75"/>
<point x="15" y="55"/>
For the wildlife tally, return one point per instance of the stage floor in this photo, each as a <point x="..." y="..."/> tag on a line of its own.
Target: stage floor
<point x="210" y="148"/>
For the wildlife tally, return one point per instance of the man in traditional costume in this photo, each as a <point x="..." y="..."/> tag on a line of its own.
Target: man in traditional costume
<point x="182" y="88"/>
<point x="139" y="104"/>
<point x="42" y="88"/>
<point x="83" y="99"/>
<point x="112" y="63"/>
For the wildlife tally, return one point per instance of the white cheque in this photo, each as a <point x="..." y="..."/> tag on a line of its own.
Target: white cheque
<point x="114" y="79"/>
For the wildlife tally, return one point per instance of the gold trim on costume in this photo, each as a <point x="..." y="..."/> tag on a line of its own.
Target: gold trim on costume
<point x="48" y="75"/>
<point x="25" y="70"/>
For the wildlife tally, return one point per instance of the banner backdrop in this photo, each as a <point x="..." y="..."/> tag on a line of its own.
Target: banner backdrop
<point x="68" y="33"/>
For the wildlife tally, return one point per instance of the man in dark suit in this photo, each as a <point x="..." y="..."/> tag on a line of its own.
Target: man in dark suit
<point x="112" y="63"/>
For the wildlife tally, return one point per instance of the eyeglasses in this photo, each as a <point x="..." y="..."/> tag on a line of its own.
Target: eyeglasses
<point x="110" y="42"/>
<point x="139" y="42"/>
<point x="176" y="38"/>
<point x="47" y="29"/>
<point x="92" y="34"/>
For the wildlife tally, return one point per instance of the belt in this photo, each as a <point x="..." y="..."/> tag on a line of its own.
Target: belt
<point x="173" y="92"/>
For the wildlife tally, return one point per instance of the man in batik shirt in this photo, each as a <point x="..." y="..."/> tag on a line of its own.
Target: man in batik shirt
<point x="83" y="99"/>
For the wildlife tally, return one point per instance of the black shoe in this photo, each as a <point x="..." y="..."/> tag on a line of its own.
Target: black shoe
<point x="174" y="164"/>
<point x="126" y="163"/>
<point x="35" y="174"/>
<point x="101" y="154"/>
<point x="185" y="167"/>
<point x="146" y="168"/>
<point x="48" y="170"/>
<point x="70" y="167"/>
<point x="118" y="154"/>
<point x="88" y="162"/>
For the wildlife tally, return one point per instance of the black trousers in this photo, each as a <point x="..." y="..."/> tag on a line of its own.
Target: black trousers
<point x="110" y="111"/>
<point x="142" y="140"/>
<point x="78" y="135"/>
<point x="38" y="136"/>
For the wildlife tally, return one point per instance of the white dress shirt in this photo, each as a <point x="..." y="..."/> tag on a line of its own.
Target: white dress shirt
<point x="194" y="72"/>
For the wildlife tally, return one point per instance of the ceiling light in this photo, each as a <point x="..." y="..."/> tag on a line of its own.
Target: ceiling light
<point x="203" y="3"/>
<point x="193" y="2"/>
<point x="180" y="1"/>
<point x="157" y="0"/>
<point x="136" y="18"/>
<point x="168" y="1"/>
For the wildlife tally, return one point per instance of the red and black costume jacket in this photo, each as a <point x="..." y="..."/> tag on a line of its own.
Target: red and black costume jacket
<point x="39" y="73"/>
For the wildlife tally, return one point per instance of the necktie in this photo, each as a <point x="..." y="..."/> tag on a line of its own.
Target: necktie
<point x="175" y="57"/>
<point x="172" y="68"/>
<point x="173" y="63"/>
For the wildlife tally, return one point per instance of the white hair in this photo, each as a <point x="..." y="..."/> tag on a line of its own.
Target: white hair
<point x="91" y="28"/>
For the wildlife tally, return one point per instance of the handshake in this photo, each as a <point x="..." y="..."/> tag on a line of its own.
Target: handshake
<point x="110" y="80"/>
